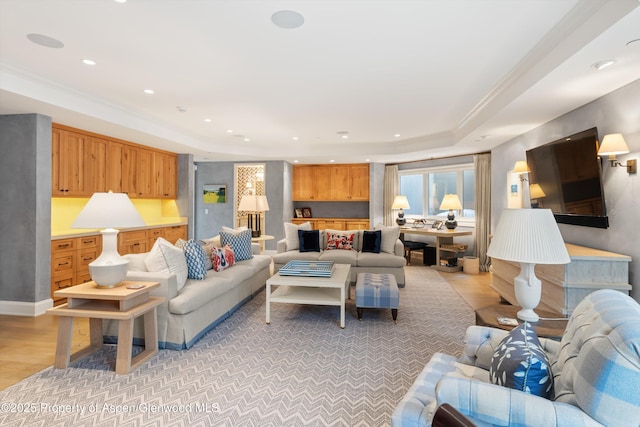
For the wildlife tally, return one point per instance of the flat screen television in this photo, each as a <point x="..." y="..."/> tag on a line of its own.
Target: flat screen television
<point x="566" y="177"/>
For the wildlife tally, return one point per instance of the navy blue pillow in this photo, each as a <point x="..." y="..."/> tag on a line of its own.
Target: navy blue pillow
<point x="371" y="241"/>
<point x="520" y="363"/>
<point x="309" y="240"/>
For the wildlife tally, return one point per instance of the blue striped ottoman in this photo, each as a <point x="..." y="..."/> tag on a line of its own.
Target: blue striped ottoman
<point x="377" y="291"/>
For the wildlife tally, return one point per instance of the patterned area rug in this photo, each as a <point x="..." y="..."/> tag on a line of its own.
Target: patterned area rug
<point x="300" y="370"/>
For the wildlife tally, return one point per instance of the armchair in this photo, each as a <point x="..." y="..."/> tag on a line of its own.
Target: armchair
<point x="596" y="372"/>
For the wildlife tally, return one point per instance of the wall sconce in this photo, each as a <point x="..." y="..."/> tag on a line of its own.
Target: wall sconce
<point x="613" y="144"/>
<point x="521" y="167"/>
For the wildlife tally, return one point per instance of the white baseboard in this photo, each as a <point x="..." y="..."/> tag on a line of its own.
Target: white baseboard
<point x="29" y="309"/>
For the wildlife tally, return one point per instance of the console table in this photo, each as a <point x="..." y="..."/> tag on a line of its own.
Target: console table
<point x="565" y="285"/>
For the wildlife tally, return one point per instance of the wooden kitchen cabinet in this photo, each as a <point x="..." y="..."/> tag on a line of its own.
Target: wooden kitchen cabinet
<point x="84" y="163"/>
<point x="350" y="183"/>
<point x="70" y="260"/>
<point x="347" y="183"/>
<point x="334" y="223"/>
<point x="133" y="242"/>
<point x="67" y="157"/>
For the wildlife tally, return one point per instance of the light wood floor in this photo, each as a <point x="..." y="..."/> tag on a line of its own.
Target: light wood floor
<point x="27" y="344"/>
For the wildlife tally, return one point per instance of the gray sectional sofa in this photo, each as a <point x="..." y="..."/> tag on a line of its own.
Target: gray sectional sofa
<point x="382" y="262"/>
<point x="190" y="312"/>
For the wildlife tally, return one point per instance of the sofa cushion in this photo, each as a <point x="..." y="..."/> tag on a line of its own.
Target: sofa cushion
<point x="284" y="257"/>
<point x="165" y="257"/>
<point x="309" y="240"/>
<point x="222" y="258"/>
<point x="195" y="258"/>
<point x="371" y="241"/>
<point x="382" y="259"/>
<point x="292" y="240"/>
<point x="389" y="236"/>
<point x="340" y="240"/>
<point x="136" y="261"/>
<point x="240" y="243"/>
<point x="520" y="363"/>
<point x="340" y="257"/>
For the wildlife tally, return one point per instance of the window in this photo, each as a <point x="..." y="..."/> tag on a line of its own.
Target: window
<point x="425" y="189"/>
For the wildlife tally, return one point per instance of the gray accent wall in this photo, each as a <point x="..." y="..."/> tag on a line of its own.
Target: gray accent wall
<point x="278" y="189"/>
<point x="186" y="188"/>
<point x="25" y="213"/>
<point x="617" y="112"/>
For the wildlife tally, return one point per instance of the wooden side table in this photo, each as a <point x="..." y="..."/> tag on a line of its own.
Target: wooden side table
<point x="122" y="303"/>
<point x="488" y="316"/>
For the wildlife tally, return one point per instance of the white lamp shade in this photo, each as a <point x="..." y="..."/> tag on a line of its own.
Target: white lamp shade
<point x="400" y="202"/>
<point x="108" y="210"/>
<point x="253" y="203"/>
<point x="613" y="144"/>
<point x="450" y="202"/>
<point x="530" y="236"/>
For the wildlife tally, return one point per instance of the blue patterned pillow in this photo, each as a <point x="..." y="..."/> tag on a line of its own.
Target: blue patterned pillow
<point x="196" y="263"/>
<point x="240" y="243"/>
<point x="520" y="363"/>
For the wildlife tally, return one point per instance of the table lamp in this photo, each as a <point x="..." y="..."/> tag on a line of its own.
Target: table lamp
<point x="108" y="211"/>
<point x="530" y="237"/>
<point x="451" y="202"/>
<point x="254" y="205"/>
<point x="400" y="202"/>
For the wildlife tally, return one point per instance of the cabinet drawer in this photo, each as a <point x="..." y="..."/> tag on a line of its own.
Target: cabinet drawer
<point x="173" y="233"/>
<point x="85" y="257"/>
<point x="61" y="283"/>
<point x="83" y="277"/>
<point x="62" y="263"/>
<point x="63" y="245"/>
<point x="129" y="236"/>
<point x="88" y="242"/>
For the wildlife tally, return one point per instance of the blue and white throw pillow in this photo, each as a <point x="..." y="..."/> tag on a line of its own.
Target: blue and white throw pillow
<point x="520" y="363"/>
<point x="196" y="263"/>
<point x="240" y="243"/>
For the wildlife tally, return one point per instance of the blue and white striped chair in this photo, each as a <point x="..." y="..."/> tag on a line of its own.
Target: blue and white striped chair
<point x="596" y="369"/>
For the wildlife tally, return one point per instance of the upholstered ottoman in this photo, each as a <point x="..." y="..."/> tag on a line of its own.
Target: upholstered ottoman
<point x="377" y="291"/>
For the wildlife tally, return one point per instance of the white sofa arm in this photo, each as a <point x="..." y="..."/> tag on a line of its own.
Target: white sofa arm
<point x="399" y="248"/>
<point x="502" y="406"/>
<point x="168" y="282"/>
<point x="281" y="246"/>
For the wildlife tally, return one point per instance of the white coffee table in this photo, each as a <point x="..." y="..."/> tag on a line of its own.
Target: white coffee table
<point x="332" y="290"/>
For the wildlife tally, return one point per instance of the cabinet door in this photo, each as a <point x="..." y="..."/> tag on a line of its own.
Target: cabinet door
<point x="359" y="182"/>
<point x="303" y="183"/>
<point x="175" y="232"/>
<point x="357" y="225"/>
<point x="321" y="183"/>
<point x="340" y="188"/>
<point x="143" y="172"/>
<point x="164" y="175"/>
<point x="67" y="157"/>
<point x="115" y="171"/>
<point x="95" y="165"/>
<point x="132" y="242"/>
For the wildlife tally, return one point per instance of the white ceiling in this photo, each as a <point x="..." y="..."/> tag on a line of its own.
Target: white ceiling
<point x="449" y="76"/>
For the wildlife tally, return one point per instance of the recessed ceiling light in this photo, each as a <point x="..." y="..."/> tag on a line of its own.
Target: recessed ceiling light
<point x="89" y="62"/>
<point x="603" y="64"/>
<point x="229" y="130"/>
<point x="150" y="92"/>
<point x="397" y="135"/>
<point x="295" y="138"/>
<point x="247" y="140"/>
<point x="46" y="41"/>
<point x="296" y="161"/>
<point x="287" y="19"/>
<point x="208" y="120"/>
<point x="120" y="1"/>
<point x="367" y="160"/>
<point x="345" y="136"/>
<point x="332" y="161"/>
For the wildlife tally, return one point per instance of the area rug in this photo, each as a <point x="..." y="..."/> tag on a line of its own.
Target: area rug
<point x="301" y="370"/>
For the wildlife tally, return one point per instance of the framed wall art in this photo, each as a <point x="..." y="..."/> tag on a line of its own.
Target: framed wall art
<point x="214" y="193"/>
